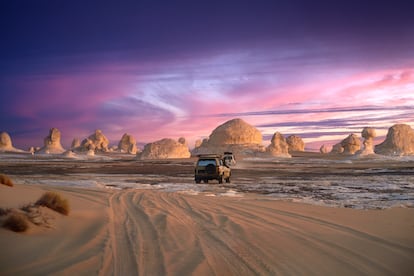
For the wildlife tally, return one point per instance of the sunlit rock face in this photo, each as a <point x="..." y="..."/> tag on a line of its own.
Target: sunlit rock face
<point x="52" y="143"/>
<point x="164" y="149"/>
<point x="278" y="146"/>
<point x="399" y="141"/>
<point x="6" y="143"/>
<point x="295" y="143"/>
<point x="235" y="131"/>
<point x="236" y="136"/>
<point x="95" y="142"/>
<point x="368" y="133"/>
<point x="127" y="144"/>
<point x="350" y="145"/>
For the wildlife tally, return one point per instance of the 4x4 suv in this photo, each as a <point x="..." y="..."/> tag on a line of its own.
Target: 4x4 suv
<point x="210" y="167"/>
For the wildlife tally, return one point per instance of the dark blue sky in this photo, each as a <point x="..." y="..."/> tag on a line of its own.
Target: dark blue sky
<point x="175" y="68"/>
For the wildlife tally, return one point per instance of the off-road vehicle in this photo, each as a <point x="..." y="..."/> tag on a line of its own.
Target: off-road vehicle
<point x="211" y="167"/>
<point x="229" y="159"/>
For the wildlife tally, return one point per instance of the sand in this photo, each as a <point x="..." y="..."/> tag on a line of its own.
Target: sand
<point x="147" y="232"/>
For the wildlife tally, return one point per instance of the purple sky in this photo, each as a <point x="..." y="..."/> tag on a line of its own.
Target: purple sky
<point x="156" y="69"/>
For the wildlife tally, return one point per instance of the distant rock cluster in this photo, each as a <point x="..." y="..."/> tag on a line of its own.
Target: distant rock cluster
<point x="235" y="136"/>
<point x="165" y="149"/>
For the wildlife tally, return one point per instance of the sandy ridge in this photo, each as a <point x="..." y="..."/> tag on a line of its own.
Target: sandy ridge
<point x="147" y="232"/>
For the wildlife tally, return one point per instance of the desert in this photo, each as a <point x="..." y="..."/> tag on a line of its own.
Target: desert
<point x="311" y="214"/>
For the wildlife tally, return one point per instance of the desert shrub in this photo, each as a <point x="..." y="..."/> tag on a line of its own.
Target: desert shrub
<point x="5" y="180"/>
<point x="16" y="222"/>
<point x="55" y="202"/>
<point x="4" y="211"/>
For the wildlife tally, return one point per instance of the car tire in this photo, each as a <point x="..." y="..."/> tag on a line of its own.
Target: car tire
<point x="198" y="181"/>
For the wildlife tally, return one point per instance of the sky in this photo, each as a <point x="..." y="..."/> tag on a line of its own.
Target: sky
<point x="155" y="69"/>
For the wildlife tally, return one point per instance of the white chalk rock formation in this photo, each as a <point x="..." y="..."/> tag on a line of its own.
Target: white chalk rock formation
<point x="295" y="143"/>
<point x="235" y="131"/>
<point x="324" y="149"/>
<point x="6" y="144"/>
<point x="350" y="145"/>
<point x="399" y="141"/>
<point x="368" y="133"/>
<point x="278" y="146"/>
<point x="127" y="144"/>
<point x="52" y="143"/>
<point x="164" y="149"/>
<point x="95" y="142"/>
<point x="235" y="136"/>
<point x="76" y="143"/>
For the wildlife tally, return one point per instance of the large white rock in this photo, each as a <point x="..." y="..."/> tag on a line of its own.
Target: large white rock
<point x="399" y="141"/>
<point x="127" y="144"/>
<point x="6" y="143"/>
<point x="164" y="149"/>
<point x="235" y="131"/>
<point x="52" y="143"/>
<point x="278" y="146"/>
<point x="295" y="143"/>
<point x="235" y="136"/>
<point x="95" y="142"/>
<point x="350" y="145"/>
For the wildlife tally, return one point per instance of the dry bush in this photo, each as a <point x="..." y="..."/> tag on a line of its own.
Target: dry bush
<point x="5" y="180"/>
<point x="4" y="212"/>
<point x="55" y="202"/>
<point x="16" y="222"/>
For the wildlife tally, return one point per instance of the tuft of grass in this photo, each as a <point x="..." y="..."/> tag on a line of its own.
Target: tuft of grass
<point x="4" y="212"/>
<point x="55" y="202"/>
<point x="16" y="222"/>
<point x="5" y="180"/>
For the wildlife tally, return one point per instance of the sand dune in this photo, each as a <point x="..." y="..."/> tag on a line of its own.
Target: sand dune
<point x="138" y="232"/>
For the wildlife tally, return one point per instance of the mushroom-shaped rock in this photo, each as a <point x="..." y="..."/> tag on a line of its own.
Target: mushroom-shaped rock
<point x="295" y="143"/>
<point x="164" y="149"/>
<point x="368" y="133"/>
<point x="350" y="145"/>
<point x="6" y="143"/>
<point x="278" y="146"/>
<point x="52" y="143"/>
<point x="399" y="141"/>
<point x="235" y="131"/>
<point x="127" y="144"/>
<point x="96" y="142"/>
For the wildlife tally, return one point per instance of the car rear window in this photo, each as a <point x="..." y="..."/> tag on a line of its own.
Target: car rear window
<point x="205" y="162"/>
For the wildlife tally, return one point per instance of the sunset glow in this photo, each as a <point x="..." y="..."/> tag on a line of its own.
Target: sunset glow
<point x="322" y="78"/>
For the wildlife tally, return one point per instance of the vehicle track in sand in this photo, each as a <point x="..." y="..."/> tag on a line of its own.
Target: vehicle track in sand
<point x="160" y="233"/>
